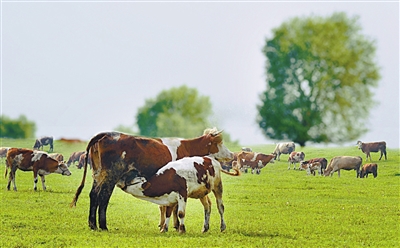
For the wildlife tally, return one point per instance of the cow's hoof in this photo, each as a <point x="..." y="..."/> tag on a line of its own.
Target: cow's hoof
<point x="182" y="229"/>
<point x="223" y="227"/>
<point x="164" y="229"/>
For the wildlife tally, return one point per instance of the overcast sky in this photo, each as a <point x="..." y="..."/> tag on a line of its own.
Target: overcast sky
<point x="78" y="68"/>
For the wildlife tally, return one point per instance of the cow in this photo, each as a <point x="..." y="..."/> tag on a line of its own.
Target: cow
<point x="75" y="156"/>
<point x="294" y="158"/>
<point x="31" y="160"/>
<point x="81" y="162"/>
<point x="372" y="147"/>
<point x="246" y="149"/>
<point x="193" y="177"/>
<point x="43" y="141"/>
<point x="367" y="169"/>
<point x="322" y="161"/>
<point x="57" y="156"/>
<point x="114" y="154"/>
<point x="311" y="167"/>
<point x="3" y="151"/>
<point x="343" y="162"/>
<point x="284" y="148"/>
<point x="254" y="160"/>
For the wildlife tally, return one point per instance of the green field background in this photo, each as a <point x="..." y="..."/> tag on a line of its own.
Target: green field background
<point x="278" y="208"/>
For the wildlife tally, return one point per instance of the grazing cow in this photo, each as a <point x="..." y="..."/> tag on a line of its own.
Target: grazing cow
<point x="193" y="177"/>
<point x="372" y="147"/>
<point x="37" y="161"/>
<point x="294" y="158"/>
<point x="81" y="162"/>
<point x="246" y="149"/>
<point x="57" y="156"/>
<point x="113" y="154"/>
<point x="253" y="160"/>
<point x="284" y="148"/>
<point x="343" y="162"/>
<point x="43" y="141"/>
<point x="311" y="167"/>
<point x="3" y="151"/>
<point x="322" y="161"/>
<point x="367" y="169"/>
<point x="75" y="156"/>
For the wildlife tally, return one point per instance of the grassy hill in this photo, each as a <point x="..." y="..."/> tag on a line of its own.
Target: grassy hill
<point x="278" y="208"/>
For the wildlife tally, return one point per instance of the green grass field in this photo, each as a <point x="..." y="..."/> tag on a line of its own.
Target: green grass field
<point x="278" y="208"/>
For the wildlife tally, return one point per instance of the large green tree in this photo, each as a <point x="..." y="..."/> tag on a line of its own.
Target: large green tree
<point x="177" y="112"/>
<point x="20" y="128"/>
<point x="320" y="73"/>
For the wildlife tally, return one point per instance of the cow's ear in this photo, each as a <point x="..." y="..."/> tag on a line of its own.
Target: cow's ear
<point x="146" y="185"/>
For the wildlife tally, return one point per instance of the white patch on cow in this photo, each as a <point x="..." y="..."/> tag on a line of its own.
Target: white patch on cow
<point x="172" y="144"/>
<point x="123" y="154"/>
<point x="254" y="157"/>
<point x="18" y="159"/>
<point x="37" y="155"/>
<point x="117" y="136"/>
<point x="43" y="172"/>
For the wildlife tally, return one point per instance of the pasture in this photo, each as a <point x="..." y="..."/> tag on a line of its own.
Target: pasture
<point x="278" y="208"/>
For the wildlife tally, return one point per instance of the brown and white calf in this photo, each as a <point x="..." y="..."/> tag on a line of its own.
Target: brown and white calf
<point x="37" y="161"/>
<point x="369" y="169"/>
<point x="113" y="154"/>
<point x="295" y="157"/>
<point x="75" y="156"/>
<point x="322" y="161"/>
<point x="311" y="167"/>
<point x="173" y="184"/>
<point x="253" y="160"/>
<point x="367" y="148"/>
<point x="343" y="163"/>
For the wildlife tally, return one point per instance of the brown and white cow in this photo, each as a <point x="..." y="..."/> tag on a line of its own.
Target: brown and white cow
<point x="57" y="156"/>
<point x="311" y="167"/>
<point x="253" y="160"/>
<point x="295" y="157"/>
<point x="369" y="169"/>
<point x="114" y="154"/>
<point x="37" y="161"/>
<point x="284" y="148"/>
<point x="75" y="156"/>
<point x="372" y="147"/>
<point x="173" y="184"/>
<point x="343" y="163"/>
<point x="322" y="161"/>
<point x="43" y="141"/>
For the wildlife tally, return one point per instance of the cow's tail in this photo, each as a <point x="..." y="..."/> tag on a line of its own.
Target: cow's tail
<point x="235" y="173"/>
<point x="93" y="141"/>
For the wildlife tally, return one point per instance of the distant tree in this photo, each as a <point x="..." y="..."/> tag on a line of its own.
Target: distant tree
<point x="178" y="112"/>
<point x="319" y="77"/>
<point x="20" y="128"/>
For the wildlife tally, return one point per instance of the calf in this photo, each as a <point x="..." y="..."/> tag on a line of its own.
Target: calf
<point x="75" y="156"/>
<point x="193" y="177"/>
<point x="295" y="157"/>
<point x="38" y="162"/>
<point x="254" y="160"/>
<point x="372" y="147"/>
<point x="284" y="148"/>
<point x="81" y="162"/>
<point x="322" y="161"/>
<point x="311" y="167"/>
<point x="367" y="169"/>
<point x="343" y="162"/>
<point x="43" y="141"/>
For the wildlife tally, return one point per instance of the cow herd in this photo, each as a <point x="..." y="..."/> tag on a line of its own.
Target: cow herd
<point x="168" y="171"/>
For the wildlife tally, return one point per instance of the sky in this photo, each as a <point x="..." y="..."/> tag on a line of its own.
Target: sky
<point x="76" y="68"/>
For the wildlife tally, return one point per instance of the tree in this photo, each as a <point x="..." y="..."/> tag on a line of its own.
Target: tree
<point x="320" y="72"/>
<point x="20" y="128"/>
<point x="178" y="112"/>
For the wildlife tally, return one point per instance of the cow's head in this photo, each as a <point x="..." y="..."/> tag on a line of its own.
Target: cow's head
<point x="359" y="144"/>
<point x="36" y="145"/>
<point x="215" y="146"/>
<point x="63" y="169"/>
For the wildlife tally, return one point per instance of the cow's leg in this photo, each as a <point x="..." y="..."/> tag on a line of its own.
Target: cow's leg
<point x="338" y="172"/>
<point x="11" y="178"/>
<point x="181" y="208"/>
<point x="104" y="195"/>
<point x="163" y="210"/>
<point x="43" y="185"/>
<point x="168" y="212"/>
<point x="94" y="204"/>
<point x="207" y="212"/>
<point x="220" y="205"/>
<point x="35" y="180"/>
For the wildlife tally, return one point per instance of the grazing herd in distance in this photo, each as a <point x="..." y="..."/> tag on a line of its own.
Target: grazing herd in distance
<point x="167" y="171"/>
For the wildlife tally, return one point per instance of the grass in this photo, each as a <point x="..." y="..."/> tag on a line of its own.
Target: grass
<point x="278" y="208"/>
